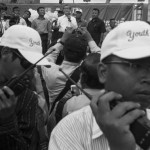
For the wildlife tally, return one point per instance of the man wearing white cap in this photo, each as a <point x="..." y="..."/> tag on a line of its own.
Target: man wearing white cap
<point x="81" y="22"/>
<point x="125" y="72"/>
<point x="21" y="47"/>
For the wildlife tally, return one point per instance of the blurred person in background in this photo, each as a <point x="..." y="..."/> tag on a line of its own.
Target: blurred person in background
<point x="81" y="22"/>
<point x="96" y="27"/>
<point x="26" y="16"/>
<point x="43" y="26"/>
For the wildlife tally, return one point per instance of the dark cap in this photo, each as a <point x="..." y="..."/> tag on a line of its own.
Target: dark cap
<point x="76" y="44"/>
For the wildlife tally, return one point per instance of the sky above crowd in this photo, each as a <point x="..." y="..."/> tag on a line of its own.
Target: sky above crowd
<point x="92" y="1"/>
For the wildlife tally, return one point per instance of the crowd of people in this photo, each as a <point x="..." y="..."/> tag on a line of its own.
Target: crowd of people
<point x="59" y="81"/>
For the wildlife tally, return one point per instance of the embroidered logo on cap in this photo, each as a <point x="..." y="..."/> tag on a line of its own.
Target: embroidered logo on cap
<point x="32" y="42"/>
<point x="132" y="35"/>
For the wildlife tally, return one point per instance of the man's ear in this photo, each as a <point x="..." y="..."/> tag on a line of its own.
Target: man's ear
<point x="102" y="72"/>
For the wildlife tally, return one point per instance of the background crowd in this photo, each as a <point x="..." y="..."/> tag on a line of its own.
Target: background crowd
<point x="42" y="109"/>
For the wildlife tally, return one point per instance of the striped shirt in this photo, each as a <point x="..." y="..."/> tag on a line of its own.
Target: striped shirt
<point x="78" y="131"/>
<point x="16" y="133"/>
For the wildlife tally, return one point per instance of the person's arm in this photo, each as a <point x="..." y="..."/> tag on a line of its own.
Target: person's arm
<point x="103" y="30"/>
<point x="92" y="45"/>
<point x="33" y="25"/>
<point x="22" y="22"/>
<point x="115" y="123"/>
<point x="49" y="29"/>
<point x="74" y="23"/>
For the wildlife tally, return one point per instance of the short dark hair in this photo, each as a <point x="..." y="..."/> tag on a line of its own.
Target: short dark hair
<point x="112" y="19"/>
<point x="89" y="71"/>
<point x="40" y="8"/>
<point x="67" y="5"/>
<point x="3" y="7"/>
<point x="16" y="7"/>
<point x="28" y="12"/>
<point x="75" y="49"/>
<point x="96" y="9"/>
<point x="60" y="12"/>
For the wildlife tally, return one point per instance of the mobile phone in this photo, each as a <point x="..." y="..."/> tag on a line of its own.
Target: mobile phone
<point x="140" y="128"/>
<point x="18" y="86"/>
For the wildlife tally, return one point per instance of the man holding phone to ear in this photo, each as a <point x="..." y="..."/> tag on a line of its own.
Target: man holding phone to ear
<point x="21" y="47"/>
<point x="125" y="72"/>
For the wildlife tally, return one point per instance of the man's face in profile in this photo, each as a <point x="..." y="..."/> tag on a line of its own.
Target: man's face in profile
<point x="131" y="79"/>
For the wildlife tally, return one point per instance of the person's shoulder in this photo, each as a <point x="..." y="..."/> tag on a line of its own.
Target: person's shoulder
<point x="47" y="20"/>
<point x="100" y="20"/>
<point x="73" y="17"/>
<point x="80" y="118"/>
<point x="76" y="103"/>
<point x="61" y="17"/>
<point x="35" y="20"/>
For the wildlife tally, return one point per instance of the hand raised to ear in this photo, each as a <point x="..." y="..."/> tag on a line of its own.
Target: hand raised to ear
<point x="115" y="123"/>
<point x="8" y="103"/>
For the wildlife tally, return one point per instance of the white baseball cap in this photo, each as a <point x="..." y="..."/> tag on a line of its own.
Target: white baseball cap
<point x="79" y="10"/>
<point x="27" y="41"/>
<point x="129" y="40"/>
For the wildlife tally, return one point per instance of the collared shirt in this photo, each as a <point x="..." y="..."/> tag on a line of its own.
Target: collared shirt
<point x="22" y="22"/>
<point x="41" y="25"/>
<point x="81" y="22"/>
<point x="79" y="131"/>
<point x="16" y="133"/>
<point x="55" y="80"/>
<point x="63" y="22"/>
<point x="28" y="22"/>
<point x="96" y="27"/>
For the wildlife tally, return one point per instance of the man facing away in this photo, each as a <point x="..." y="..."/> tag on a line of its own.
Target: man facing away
<point x="124" y="71"/>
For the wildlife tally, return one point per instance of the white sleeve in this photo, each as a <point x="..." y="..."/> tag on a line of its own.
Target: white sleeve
<point x="53" y="56"/>
<point x="93" y="47"/>
<point x="64" y="136"/>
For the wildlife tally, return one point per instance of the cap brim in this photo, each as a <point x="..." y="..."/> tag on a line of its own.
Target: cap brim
<point x="33" y="57"/>
<point x="133" y="53"/>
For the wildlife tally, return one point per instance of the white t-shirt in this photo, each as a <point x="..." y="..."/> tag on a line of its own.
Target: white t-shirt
<point x="63" y="22"/>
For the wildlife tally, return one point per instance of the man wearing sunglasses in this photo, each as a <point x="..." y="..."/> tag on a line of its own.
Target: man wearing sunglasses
<point x="125" y="72"/>
<point x="21" y="47"/>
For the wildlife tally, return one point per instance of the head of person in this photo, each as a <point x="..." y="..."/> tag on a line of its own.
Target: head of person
<point x="41" y="11"/>
<point x="89" y="72"/>
<point x="60" y="13"/>
<point x="3" y="9"/>
<point x="67" y="10"/>
<point x="21" y="48"/>
<point x="14" y="20"/>
<point x="78" y="13"/>
<point x="125" y="61"/>
<point x="27" y="14"/>
<point x="112" y="23"/>
<point x="95" y="13"/>
<point x="75" y="49"/>
<point x="16" y="11"/>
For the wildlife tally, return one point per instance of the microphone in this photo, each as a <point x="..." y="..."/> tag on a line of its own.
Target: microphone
<point x="69" y="18"/>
